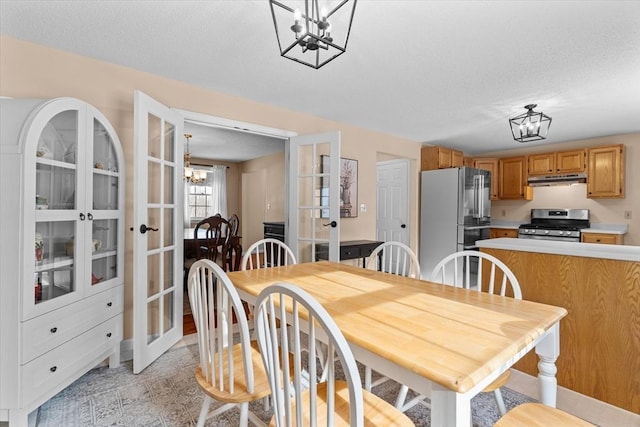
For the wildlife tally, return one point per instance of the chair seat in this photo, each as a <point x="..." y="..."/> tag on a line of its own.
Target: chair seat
<point x="377" y="412"/>
<point x="240" y="394"/>
<point x="539" y="415"/>
<point x="498" y="382"/>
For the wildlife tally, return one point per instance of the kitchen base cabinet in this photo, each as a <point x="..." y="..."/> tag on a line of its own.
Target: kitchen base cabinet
<point x="598" y="338"/>
<point x="62" y="249"/>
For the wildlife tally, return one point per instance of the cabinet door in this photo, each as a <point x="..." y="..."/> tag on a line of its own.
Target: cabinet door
<point x="457" y="158"/>
<point x="104" y="207"/>
<point x="513" y="177"/>
<point x="606" y="169"/>
<point x="490" y="165"/>
<point x="56" y="202"/>
<point x="444" y="157"/>
<point x="542" y="164"/>
<point x="570" y="161"/>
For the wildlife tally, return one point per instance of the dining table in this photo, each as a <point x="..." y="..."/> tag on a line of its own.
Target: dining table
<point x="443" y="342"/>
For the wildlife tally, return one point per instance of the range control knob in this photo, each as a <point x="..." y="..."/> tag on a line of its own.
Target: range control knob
<point x="546" y="231"/>
<point x="560" y="233"/>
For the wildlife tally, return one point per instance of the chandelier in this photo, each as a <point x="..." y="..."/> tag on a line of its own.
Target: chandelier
<point x="530" y="126"/>
<point x="311" y="32"/>
<point x="191" y="175"/>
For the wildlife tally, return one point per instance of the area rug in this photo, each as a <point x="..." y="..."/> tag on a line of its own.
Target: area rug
<point x="165" y="394"/>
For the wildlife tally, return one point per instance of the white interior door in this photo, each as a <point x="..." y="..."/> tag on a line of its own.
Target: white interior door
<point x="314" y="196"/>
<point x="158" y="230"/>
<point x="392" y="205"/>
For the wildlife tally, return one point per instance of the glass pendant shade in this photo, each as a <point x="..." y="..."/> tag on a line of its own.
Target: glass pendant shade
<point x="312" y="32"/>
<point x="530" y="126"/>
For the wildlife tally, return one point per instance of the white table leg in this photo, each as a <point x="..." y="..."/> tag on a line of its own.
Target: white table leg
<point x="448" y="408"/>
<point x="548" y="350"/>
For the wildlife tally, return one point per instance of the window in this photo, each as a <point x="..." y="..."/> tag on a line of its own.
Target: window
<point x="199" y="201"/>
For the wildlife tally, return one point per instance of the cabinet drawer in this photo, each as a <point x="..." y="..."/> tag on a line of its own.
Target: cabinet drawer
<point x="50" y="330"/>
<point x="349" y="252"/>
<point x="604" y="238"/>
<point x="52" y="371"/>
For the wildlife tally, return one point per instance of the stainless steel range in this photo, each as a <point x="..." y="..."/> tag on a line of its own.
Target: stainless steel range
<point x="555" y="224"/>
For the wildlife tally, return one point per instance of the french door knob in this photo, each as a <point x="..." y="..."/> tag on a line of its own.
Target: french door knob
<point x="333" y="224"/>
<point x="144" y="228"/>
<point x="403" y="226"/>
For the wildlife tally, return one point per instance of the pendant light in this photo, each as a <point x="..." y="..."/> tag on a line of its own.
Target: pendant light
<point x="312" y="32"/>
<point x="191" y="175"/>
<point x="530" y="126"/>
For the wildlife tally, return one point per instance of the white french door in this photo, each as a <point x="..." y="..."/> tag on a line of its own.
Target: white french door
<point x="392" y="201"/>
<point x="158" y="230"/>
<point x="314" y="196"/>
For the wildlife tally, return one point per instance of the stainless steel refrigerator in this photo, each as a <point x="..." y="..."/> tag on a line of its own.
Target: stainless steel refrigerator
<point x="455" y="212"/>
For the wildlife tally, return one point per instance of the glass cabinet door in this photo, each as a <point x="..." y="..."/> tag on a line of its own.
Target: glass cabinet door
<point x="56" y="204"/>
<point x="104" y="195"/>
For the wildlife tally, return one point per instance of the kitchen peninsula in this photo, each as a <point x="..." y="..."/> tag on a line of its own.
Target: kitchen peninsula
<point x="599" y="285"/>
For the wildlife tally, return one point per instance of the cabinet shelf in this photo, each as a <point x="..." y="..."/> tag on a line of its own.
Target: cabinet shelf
<point x="59" y="263"/>
<point x="55" y="163"/>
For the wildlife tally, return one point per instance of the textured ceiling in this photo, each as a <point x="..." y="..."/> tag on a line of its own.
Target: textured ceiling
<point x="437" y="72"/>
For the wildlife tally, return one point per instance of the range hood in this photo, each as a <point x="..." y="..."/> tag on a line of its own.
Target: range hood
<point x="565" y="179"/>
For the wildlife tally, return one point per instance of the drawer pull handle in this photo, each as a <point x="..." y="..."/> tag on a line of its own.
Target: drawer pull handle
<point x="54" y="330"/>
<point x="109" y="304"/>
<point x="53" y="368"/>
<point x="108" y="334"/>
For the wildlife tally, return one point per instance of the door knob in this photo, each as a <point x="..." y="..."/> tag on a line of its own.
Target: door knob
<point x="144" y="228"/>
<point x="333" y="224"/>
<point x="403" y="226"/>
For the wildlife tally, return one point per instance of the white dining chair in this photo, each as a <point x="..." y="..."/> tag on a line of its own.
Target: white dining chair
<point x="267" y="253"/>
<point x="229" y="373"/>
<point x="456" y="269"/>
<point x="306" y="397"/>
<point x="539" y="415"/>
<point x="395" y="258"/>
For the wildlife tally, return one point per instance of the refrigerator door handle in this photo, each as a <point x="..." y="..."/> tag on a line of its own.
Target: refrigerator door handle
<point x="478" y="184"/>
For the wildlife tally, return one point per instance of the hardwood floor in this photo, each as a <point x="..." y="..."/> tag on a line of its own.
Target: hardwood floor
<point x="188" y="326"/>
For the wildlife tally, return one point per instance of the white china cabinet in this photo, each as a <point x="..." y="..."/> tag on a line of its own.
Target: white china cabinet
<point x="61" y="248"/>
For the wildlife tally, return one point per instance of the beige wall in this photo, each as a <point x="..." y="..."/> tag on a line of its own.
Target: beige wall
<point x="28" y="70"/>
<point x="604" y="211"/>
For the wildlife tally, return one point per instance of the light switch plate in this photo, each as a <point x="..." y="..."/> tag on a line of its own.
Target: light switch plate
<point x="363" y="207"/>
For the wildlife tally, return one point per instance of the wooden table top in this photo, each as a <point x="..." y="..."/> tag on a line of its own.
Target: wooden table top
<point x="448" y="335"/>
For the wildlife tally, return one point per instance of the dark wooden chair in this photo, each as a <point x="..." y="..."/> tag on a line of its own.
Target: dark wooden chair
<point x="232" y="250"/>
<point x="209" y="238"/>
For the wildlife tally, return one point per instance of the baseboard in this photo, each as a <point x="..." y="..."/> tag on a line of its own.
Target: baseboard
<point x="126" y="350"/>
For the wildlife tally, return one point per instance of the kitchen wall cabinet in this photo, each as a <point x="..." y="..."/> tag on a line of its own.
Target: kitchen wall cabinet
<point x="513" y="178"/>
<point x="436" y="157"/>
<point x="492" y="166"/>
<point x="542" y="164"/>
<point x="557" y="163"/>
<point x="604" y="238"/>
<point x="605" y="177"/>
<point x="503" y="232"/>
<point x="573" y="161"/>
<point x="62" y="248"/>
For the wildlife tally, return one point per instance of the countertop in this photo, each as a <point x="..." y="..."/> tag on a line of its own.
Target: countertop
<point x="588" y="250"/>
<point x="595" y="228"/>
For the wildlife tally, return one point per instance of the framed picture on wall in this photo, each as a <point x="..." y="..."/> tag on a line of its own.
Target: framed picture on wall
<point x="348" y="188"/>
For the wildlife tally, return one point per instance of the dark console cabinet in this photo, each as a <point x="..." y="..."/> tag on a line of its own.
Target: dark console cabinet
<point x="349" y="249"/>
<point x="274" y="230"/>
